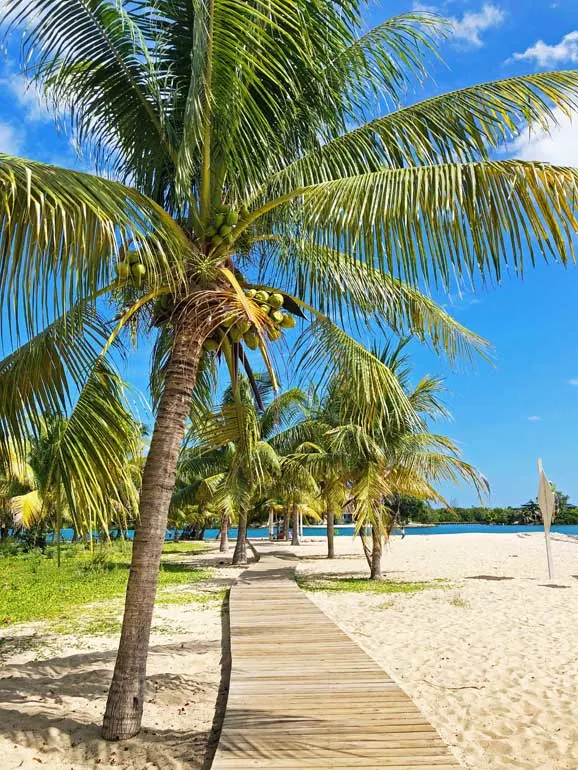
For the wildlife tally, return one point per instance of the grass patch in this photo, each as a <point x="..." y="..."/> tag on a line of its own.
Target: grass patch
<point x="364" y="585"/>
<point x="33" y="588"/>
<point x="187" y="546"/>
<point x="459" y="601"/>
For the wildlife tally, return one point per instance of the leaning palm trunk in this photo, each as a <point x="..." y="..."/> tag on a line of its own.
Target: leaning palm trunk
<point x="295" y="538"/>
<point x="330" y="535"/>
<point x="366" y="549"/>
<point x="224" y="543"/>
<point x="240" y="552"/>
<point x="376" y="552"/>
<point x="124" y="708"/>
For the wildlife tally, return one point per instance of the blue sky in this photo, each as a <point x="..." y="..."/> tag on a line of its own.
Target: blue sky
<point x="526" y="405"/>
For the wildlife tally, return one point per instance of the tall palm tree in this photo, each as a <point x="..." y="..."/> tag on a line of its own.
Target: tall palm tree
<point x="247" y="134"/>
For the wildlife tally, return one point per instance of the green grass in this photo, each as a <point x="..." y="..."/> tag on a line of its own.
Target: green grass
<point x="33" y="588"/>
<point x="364" y="585"/>
<point x="187" y="546"/>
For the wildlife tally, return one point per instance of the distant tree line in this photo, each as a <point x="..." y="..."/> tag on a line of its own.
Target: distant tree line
<point x="419" y="511"/>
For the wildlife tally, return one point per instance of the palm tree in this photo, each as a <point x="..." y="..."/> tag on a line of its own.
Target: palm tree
<point x="233" y="135"/>
<point x="78" y="468"/>
<point x="244" y="431"/>
<point x="377" y="462"/>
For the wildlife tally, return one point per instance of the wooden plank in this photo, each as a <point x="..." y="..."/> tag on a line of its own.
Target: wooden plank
<point x="304" y="696"/>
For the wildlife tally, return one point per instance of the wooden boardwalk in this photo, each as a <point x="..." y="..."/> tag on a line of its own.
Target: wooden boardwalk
<point x="303" y="695"/>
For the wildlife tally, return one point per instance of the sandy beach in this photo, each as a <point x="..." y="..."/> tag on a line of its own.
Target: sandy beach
<point x="490" y="655"/>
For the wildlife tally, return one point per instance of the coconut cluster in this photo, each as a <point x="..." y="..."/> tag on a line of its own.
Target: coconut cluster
<point x="220" y="230"/>
<point x="132" y="267"/>
<point x="243" y="330"/>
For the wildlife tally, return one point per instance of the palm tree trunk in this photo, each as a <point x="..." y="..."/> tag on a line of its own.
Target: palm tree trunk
<point x="295" y="538"/>
<point x="286" y="524"/>
<point x="376" y="551"/>
<point x="240" y="552"/>
<point x="124" y="708"/>
<point x="366" y="549"/>
<point x="330" y="535"/>
<point x="224" y="542"/>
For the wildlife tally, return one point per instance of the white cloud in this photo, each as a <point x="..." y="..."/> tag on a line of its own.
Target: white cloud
<point x="28" y="97"/>
<point x="467" y="29"/>
<point x="558" y="146"/>
<point x="473" y="23"/>
<point x="573" y="381"/>
<point x="10" y="139"/>
<point x="534" y="418"/>
<point x="545" y="55"/>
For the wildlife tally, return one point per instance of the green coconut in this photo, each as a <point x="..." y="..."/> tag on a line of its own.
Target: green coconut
<point x="274" y="334"/>
<point x="288" y="321"/>
<point x="225" y="230"/>
<point x="276" y="300"/>
<point x="244" y="326"/>
<point x="217" y="240"/>
<point x="236" y="333"/>
<point x="138" y="270"/>
<point x="251" y="340"/>
<point x="251" y="293"/>
<point x="211" y="231"/>
<point x="277" y="316"/>
<point x="133" y="257"/>
<point x="229" y="239"/>
<point x="244" y="212"/>
<point x="219" y="220"/>
<point x="123" y="270"/>
<point x="232" y="218"/>
<point x="261" y="296"/>
<point x="229" y="321"/>
<point x="210" y="344"/>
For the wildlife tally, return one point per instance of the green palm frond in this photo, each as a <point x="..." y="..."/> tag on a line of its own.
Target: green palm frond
<point x="433" y="223"/>
<point x="425" y="398"/>
<point x="93" y="447"/>
<point x="328" y="353"/>
<point x="382" y="61"/>
<point x="283" y="411"/>
<point x="99" y="70"/>
<point x="354" y="291"/>
<point x="459" y="126"/>
<point x="61" y="233"/>
<point x="27" y="509"/>
<point x="40" y="376"/>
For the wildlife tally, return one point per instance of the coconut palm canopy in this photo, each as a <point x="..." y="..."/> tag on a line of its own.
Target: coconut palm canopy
<point x="236" y="137"/>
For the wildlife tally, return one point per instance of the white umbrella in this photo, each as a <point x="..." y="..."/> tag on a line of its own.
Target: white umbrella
<point x="547" y="503"/>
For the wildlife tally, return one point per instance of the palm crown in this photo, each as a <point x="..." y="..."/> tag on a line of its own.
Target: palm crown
<point x="225" y="131"/>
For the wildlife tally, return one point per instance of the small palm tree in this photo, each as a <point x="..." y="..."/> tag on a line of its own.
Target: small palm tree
<point x="79" y="468"/>
<point x="373" y="464"/>
<point x="249" y="136"/>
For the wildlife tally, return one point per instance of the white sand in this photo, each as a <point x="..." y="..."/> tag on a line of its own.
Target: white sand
<point x="492" y="664"/>
<point x="53" y="691"/>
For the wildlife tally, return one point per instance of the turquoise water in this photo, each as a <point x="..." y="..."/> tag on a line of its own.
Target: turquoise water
<point x="346" y="530"/>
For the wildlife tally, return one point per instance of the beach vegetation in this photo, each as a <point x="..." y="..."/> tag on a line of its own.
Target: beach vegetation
<point x="34" y="588"/>
<point x="347" y="584"/>
<point x="247" y="147"/>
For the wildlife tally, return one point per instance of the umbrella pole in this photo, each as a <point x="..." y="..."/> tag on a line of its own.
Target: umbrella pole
<point x="549" y="555"/>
